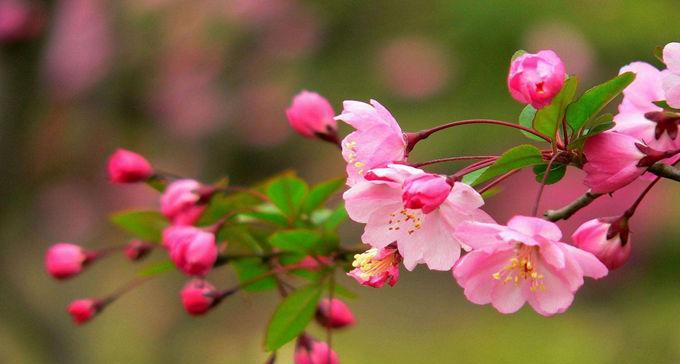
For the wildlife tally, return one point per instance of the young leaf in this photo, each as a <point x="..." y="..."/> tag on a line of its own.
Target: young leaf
<point x="298" y="240"/>
<point x="320" y="193"/>
<point x="526" y="119"/>
<point x="548" y="119"/>
<point x="287" y="194"/>
<point x="292" y="316"/>
<point x="471" y="177"/>
<point x="146" y="225"/>
<point x="664" y="105"/>
<point x="593" y="100"/>
<point x="518" y="54"/>
<point x="515" y="158"/>
<point x="250" y="268"/>
<point x="601" y="124"/>
<point x="557" y="171"/>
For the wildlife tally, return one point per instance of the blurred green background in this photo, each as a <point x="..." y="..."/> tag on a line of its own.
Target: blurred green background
<point x="200" y="87"/>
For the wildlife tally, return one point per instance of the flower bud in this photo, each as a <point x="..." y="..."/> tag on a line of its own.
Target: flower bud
<point x="310" y="351"/>
<point x="612" y="161"/>
<point x="192" y="250"/>
<point x="425" y="191"/>
<point x="376" y="267"/>
<point x="137" y="249"/>
<point x="64" y="260"/>
<point x="128" y="167"/>
<point x="333" y="313"/>
<point x="84" y="310"/>
<point x="311" y="115"/>
<point x="607" y="239"/>
<point x="313" y="263"/>
<point x="198" y="297"/>
<point x="181" y="202"/>
<point x="536" y="78"/>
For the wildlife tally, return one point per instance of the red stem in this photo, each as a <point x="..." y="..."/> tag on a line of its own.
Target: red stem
<point x="631" y="210"/>
<point x="497" y="181"/>
<point x="540" y="189"/>
<point x="452" y="159"/>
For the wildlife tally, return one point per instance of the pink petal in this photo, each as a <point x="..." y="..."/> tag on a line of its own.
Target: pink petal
<point x="552" y="254"/>
<point x="557" y="295"/>
<point x="507" y="297"/>
<point x="364" y="198"/>
<point x="591" y="266"/>
<point x="478" y="235"/>
<point x="533" y="226"/>
<point x="645" y="89"/>
<point x="377" y="232"/>
<point x="464" y="197"/>
<point x="671" y="57"/>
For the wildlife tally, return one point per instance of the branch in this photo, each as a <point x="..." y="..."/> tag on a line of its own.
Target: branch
<point x="666" y="171"/>
<point x="566" y="211"/>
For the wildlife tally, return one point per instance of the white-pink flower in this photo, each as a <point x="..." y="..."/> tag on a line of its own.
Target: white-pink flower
<point x="671" y="77"/>
<point x="421" y="237"/>
<point x="522" y="262"/>
<point x="377" y="141"/>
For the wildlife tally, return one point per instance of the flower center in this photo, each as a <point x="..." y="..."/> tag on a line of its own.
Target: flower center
<point x="369" y="266"/>
<point x="413" y="219"/>
<point x="352" y="157"/>
<point x="522" y="267"/>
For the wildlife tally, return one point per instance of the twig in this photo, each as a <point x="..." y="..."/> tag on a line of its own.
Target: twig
<point x="665" y="171"/>
<point x="570" y="209"/>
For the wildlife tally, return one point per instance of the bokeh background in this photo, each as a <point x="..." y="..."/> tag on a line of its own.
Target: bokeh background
<point x="200" y="87"/>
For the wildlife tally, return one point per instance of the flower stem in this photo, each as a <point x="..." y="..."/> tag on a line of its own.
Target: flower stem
<point x="546" y="173"/>
<point x="631" y="210"/>
<point x="665" y="171"/>
<point x="497" y="181"/>
<point x="453" y="159"/>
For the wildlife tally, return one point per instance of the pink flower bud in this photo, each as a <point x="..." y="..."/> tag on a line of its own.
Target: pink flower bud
<point x="376" y="267"/>
<point x="192" y="250"/>
<point x="84" y="310"/>
<point x="334" y="314"/>
<point x="128" y="167"/>
<point x="64" y="260"/>
<point x="310" y="351"/>
<point x="612" y="161"/>
<point x="137" y="249"/>
<point x="425" y="191"/>
<point x="311" y="115"/>
<point x="606" y="240"/>
<point x="313" y="263"/>
<point x="180" y="202"/>
<point x="198" y="297"/>
<point x="536" y="78"/>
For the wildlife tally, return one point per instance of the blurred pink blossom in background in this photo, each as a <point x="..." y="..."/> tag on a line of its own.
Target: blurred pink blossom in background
<point x="20" y="20"/>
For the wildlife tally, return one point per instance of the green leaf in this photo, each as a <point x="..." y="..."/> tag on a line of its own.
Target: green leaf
<point x="601" y="124"/>
<point x="515" y="158"/>
<point x="298" y="240"/>
<point x="664" y="105"/>
<point x="156" y="269"/>
<point x="292" y="316"/>
<point x="471" y="178"/>
<point x="595" y="99"/>
<point x="274" y="217"/>
<point x="250" y="268"/>
<point x="549" y="118"/>
<point x="337" y="217"/>
<point x="526" y="119"/>
<point x="517" y="54"/>
<point x="557" y="171"/>
<point x="320" y="193"/>
<point x="287" y="194"/>
<point x="146" y="225"/>
<point x="493" y="191"/>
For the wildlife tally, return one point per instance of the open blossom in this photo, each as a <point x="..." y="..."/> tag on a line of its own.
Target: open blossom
<point x="197" y="297"/>
<point x="377" y="141"/>
<point x="611" y="246"/>
<point x="311" y="351"/>
<point x="128" y="167"/>
<point x="334" y="313"/>
<point x="180" y="202"/>
<point x="612" y="161"/>
<point x="536" y="78"/>
<point x="84" y="310"/>
<point x="422" y="235"/>
<point x="376" y="267"/>
<point x="65" y="260"/>
<point x="192" y="250"/>
<point x="522" y="262"/>
<point x="671" y="78"/>
<point x="311" y="114"/>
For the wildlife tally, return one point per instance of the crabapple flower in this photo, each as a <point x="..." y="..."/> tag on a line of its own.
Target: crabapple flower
<point x="310" y="351"/>
<point x="198" y="296"/>
<point x="333" y="313"/>
<point x="605" y="239"/>
<point x="312" y="115"/>
<point x="423" y="235"/>
<point x="377" y="141"/>
<point x="671" y="77"/>
<point x="612" y="161"/>
<point x="192" y="250"/>
<point x="137" y="249"/>
<point x="180" y="202"/>
<point x="84" y="310"/>
<point x="535" y="78"/>
<point x="65" y="260"/>
<point x="522" y="262"/>
<point x="128" y="167"/>
<point x="375" y="267"/>
<point x="425" y="191"/>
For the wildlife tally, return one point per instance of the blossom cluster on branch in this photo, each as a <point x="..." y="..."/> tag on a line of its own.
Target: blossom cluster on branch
<point x="281" y="234"/>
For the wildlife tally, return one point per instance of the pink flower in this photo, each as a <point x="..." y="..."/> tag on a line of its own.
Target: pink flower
<point x="522" y="262"/>
<point x="137" y="249"/>
<point x="128" y="167"/>
<point x="377" y="141"/>
<point x="612" y="161"/>
<point x="310" y="351"/>
<point x="375" y="267"/>
<point x="422" y="236"/>
<point x="425" y="191"/>
<point x="20" y="20"/>
<point x="84" y="310"/>
<point x="198" y="297"/>
<point x="65" y="260"/>
<point x="192" y="250"/>
<point x="610" y="245"/>
<point x="536" y="78"/>
<point x="311" y="115"/>
<point x="671" y="77"/>
<point x="180" y="202"/>
<point x="334" y="314"/>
